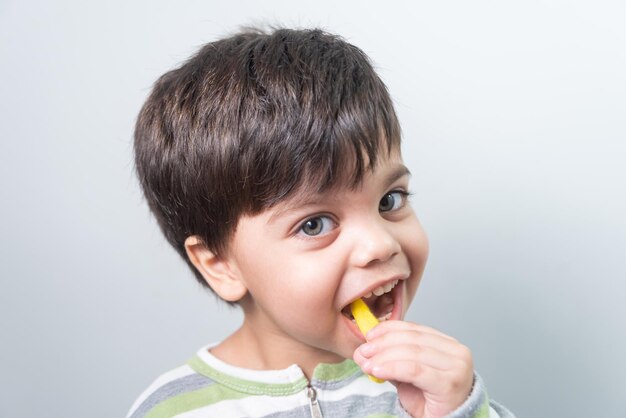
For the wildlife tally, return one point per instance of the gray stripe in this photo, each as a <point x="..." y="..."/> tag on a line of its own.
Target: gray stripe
<point x="361" y="406"/>
<point x="501" y="410"/>
<point x="171" y="389"/>
<point x="299" y="412"/>
<point x="352" y="406"/>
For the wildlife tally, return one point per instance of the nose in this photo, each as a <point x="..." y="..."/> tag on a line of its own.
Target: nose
<point x="374" y="242"/>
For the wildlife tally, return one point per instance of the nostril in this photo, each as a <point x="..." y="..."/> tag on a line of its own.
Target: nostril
<point x="378" y="252"/>
<point x="381" y="256"/>
<point x="374" y="243"/>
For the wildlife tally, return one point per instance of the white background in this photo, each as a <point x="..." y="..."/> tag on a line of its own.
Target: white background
<point x="513" y="119"/>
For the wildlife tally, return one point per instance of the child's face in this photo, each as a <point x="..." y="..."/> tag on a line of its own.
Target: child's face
<point x="303" y="263"/>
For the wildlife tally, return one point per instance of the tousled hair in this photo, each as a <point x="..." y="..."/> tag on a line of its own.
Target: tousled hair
<point x="252" y="119"/>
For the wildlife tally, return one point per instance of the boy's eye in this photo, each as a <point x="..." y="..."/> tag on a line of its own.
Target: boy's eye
<point x="392" y="201"/>
<point x="317" y="226"/>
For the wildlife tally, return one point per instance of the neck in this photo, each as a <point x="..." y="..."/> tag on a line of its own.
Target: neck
<point x="253" y="348"/>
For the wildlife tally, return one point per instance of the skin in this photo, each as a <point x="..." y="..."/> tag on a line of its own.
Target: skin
<point x="295" y="266"/>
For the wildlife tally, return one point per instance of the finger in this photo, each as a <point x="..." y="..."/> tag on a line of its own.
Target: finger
<point x="358" y="357"/>
<point x="412" y="337"/>
<point x="442" y="384"/>
<point x="393" y="325"/>
<point x="428" y="379"/>
<point x="427" y="356"/>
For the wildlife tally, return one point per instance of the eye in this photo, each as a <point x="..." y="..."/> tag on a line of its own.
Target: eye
<point x="392" y="201"/>
<point x="317" y="226"/>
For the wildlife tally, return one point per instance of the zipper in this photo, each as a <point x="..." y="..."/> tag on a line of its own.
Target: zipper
<point x="314" y="405"/>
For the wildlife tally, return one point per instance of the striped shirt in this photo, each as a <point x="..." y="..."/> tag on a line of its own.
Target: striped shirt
<point x="208" y="387"/>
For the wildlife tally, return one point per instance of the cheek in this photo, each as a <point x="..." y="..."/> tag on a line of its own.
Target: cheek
<point x="416" y="250"/>
<point x="414" y="240"/>
<point x="421" y="247"/>
<point x="293" y="282"/>
<point x="311" y="281"/>
<point x="301" y="300"/>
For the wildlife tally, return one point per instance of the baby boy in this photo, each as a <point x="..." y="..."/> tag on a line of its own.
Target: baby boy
<point x="272" y="163"/>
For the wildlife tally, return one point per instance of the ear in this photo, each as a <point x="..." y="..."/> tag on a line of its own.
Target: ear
<point x="217" y="271"/>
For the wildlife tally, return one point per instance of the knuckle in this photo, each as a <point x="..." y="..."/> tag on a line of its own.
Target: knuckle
<point x="450" y="386"/>
<point x="464" y="353"/>
<point x="415" y="370"/>
<point x="456" y="385"/>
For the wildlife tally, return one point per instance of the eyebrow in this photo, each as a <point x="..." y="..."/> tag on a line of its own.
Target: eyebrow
<point x="396" y="174"/>
<point x="314" y="199"/>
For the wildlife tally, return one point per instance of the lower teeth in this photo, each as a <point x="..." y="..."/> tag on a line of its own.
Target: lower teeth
<point x="380" y="318"/>
<point x="385" y="317"/>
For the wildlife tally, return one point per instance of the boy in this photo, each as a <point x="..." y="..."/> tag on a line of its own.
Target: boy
<point x="272" y="164"/>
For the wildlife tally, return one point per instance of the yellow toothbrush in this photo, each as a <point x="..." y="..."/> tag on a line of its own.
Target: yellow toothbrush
<point x="365" y="320"/>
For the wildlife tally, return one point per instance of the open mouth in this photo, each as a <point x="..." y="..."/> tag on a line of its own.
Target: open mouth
<point x="379" y="300"/>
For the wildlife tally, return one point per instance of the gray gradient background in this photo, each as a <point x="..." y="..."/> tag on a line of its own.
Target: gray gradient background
<point x="513" y="120"/>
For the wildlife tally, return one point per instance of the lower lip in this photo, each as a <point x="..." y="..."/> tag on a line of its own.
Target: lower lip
<point x="396" y="312"/>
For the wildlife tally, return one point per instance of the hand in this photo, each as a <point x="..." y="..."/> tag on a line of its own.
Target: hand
<point x="433" y="372"/>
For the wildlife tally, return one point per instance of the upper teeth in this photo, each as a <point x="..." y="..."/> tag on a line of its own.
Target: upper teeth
<point x="380" y="290"/>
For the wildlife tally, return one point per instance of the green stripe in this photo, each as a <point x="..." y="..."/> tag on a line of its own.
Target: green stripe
<point x="247" y="386"/>
<point x="483" y="411"/>
<point x="332" y="372"/>
<point x="193" y="400"/>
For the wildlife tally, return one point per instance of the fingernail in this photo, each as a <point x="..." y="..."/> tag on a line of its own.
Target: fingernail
<point x="367" y="349"/>
<point x="370" y="334"/>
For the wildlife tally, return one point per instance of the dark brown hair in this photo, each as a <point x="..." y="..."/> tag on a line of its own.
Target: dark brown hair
<point x="251" y="119"/>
